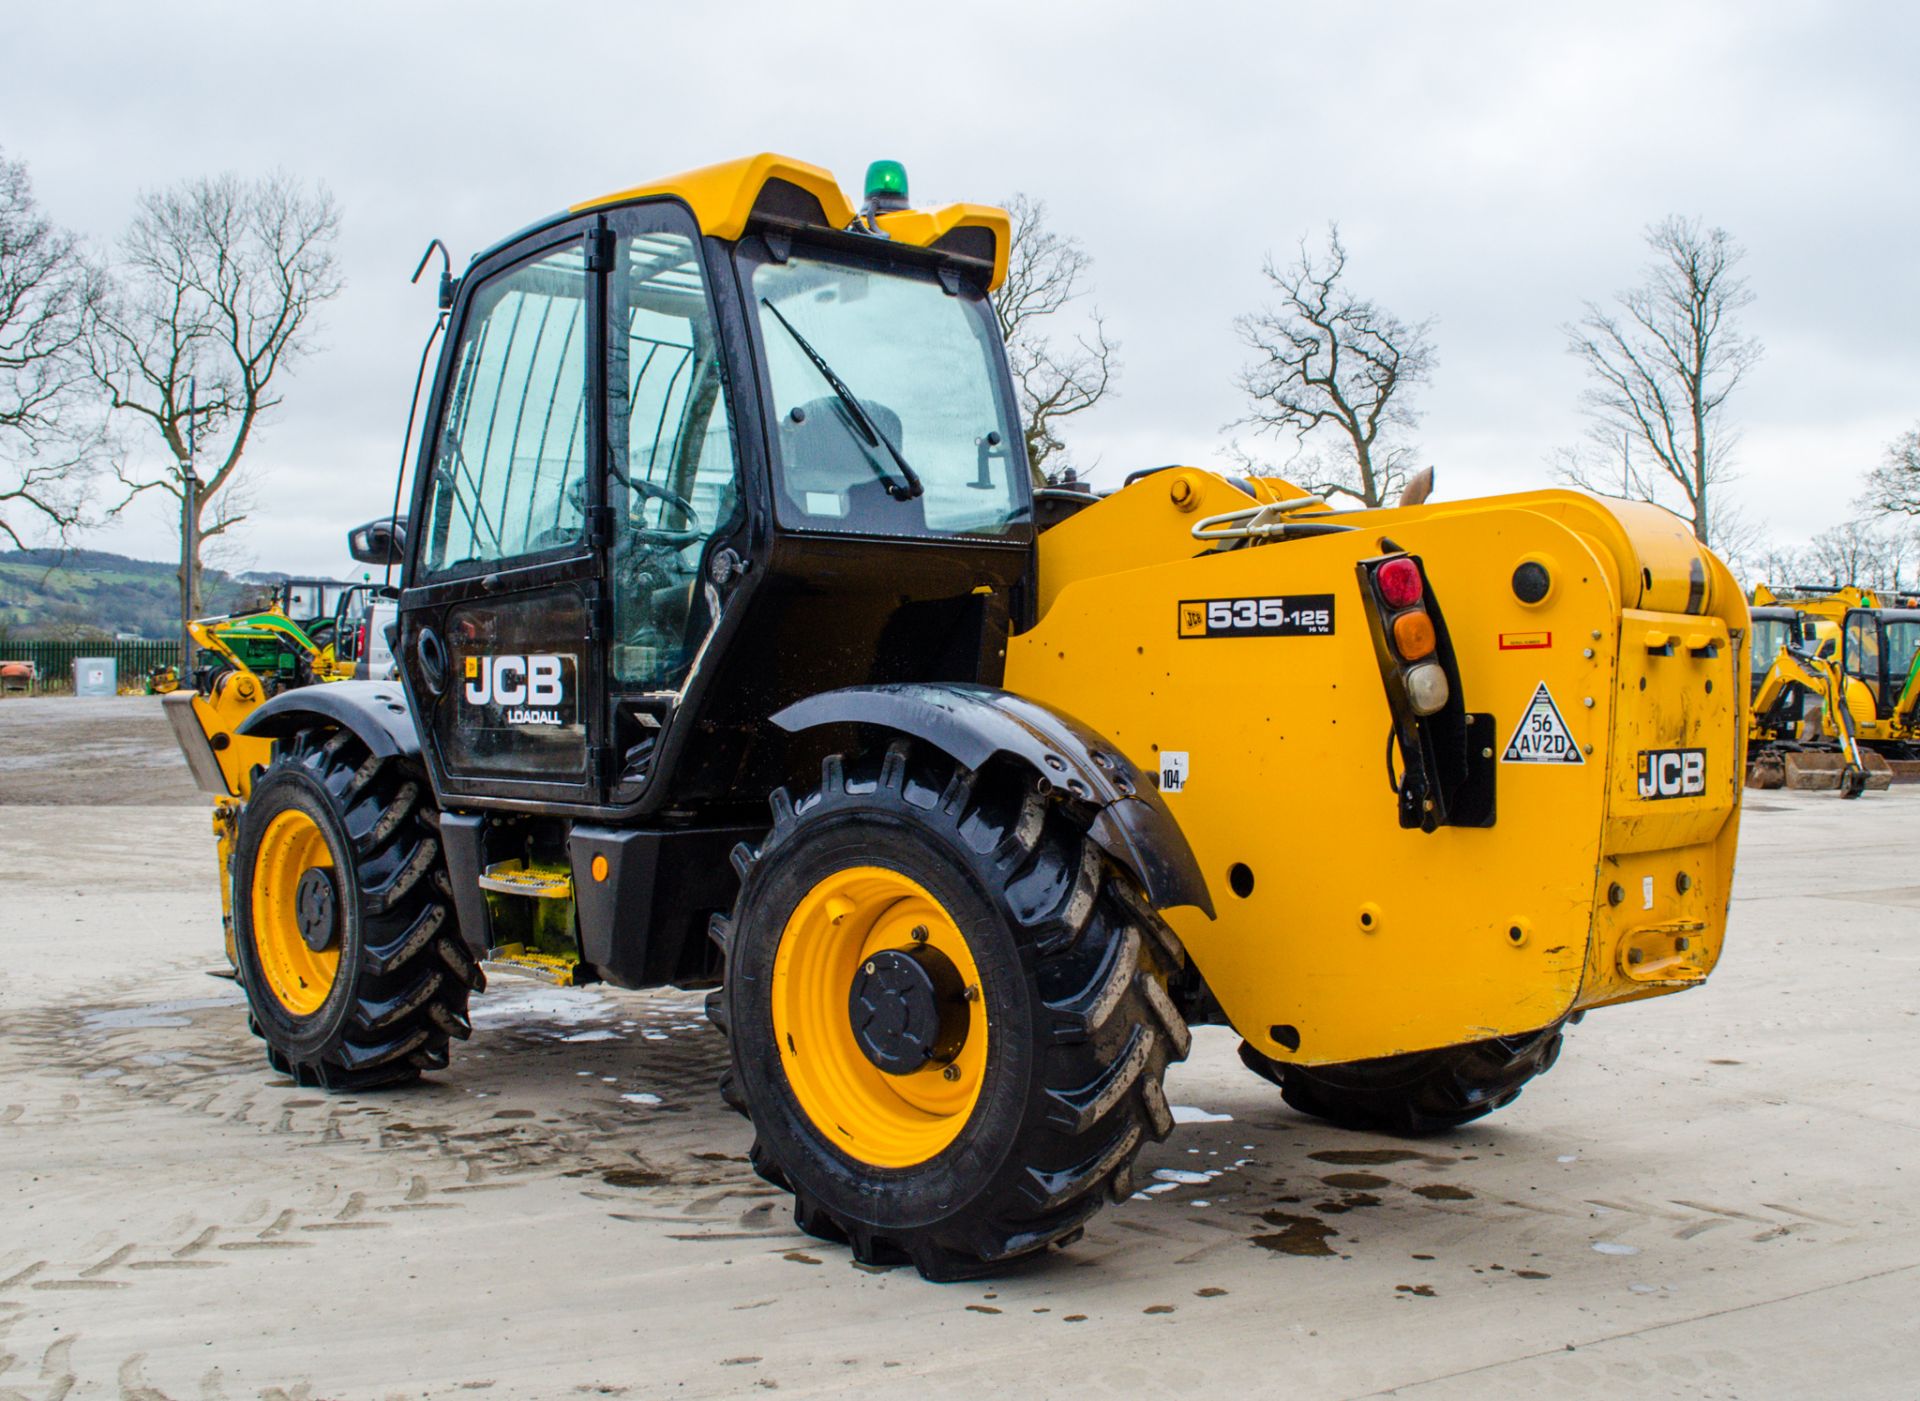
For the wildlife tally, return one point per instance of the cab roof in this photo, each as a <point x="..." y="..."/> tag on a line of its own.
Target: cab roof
<point x="775" y="191"/>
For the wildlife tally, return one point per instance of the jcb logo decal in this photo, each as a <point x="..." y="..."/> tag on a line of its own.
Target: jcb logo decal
<point x="510" y="680"/>
<point x="1673" y="773"/>
<point x="521" y="690"/>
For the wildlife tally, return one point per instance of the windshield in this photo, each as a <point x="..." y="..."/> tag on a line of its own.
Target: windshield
<point x="1769" y="636"/>
<point x="1903" y="641"/>
<point x="922" y="367"/>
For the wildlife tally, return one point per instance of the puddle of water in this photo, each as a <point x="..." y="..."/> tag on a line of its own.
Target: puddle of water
<point x="1358" y="1181"/>
<point x="156" y="1015"/>
<point x="510" y="1006"/>
<point x="1371" y="1157"/>
<point x="1298" y="1235"/>
<point x="1180" y="1177"/>
<point x="1610" y="1247"/>
<point x="1443" y="1192"/>
<point x="1346" y="1203"/>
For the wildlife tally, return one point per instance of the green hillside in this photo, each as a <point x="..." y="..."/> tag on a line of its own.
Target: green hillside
<point x="91" y="593"/>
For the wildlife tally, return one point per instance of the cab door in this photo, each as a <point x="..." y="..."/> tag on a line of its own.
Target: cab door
<point x="678" y="507"/>
<point x="499" y="617"/>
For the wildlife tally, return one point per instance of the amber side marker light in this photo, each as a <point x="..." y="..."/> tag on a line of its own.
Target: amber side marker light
<point x="1413" y="634"/>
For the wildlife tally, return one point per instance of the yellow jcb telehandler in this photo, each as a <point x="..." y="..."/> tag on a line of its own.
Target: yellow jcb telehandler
<point x="737" y="648"/>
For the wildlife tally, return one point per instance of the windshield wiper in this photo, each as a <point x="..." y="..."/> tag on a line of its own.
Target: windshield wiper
<point x="869" y="430"/>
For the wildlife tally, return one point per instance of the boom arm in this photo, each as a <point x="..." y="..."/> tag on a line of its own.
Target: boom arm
<point x="1822" y="676"/>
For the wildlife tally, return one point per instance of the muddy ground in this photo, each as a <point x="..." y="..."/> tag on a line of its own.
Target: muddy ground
<point x="1711" y="1195"/>
<point x="113" y="750"/>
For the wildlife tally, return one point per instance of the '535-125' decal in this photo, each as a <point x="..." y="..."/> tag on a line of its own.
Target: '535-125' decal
<point x="1290" y="615"/>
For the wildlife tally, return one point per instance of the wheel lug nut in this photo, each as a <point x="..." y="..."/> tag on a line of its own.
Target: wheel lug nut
<point x="972" y="994"/>
<point x="952" y="1072"/>
<point x="869" y="968"/>
<point x="919" y="933"/>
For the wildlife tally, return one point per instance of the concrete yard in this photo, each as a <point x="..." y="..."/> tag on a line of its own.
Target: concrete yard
<point x="1708" y="1197"/>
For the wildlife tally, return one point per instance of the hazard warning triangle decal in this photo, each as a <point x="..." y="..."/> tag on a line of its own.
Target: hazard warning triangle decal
<point x="1542" y="736"/>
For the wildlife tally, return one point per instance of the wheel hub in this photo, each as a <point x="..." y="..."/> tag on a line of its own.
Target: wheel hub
<point x="907" y="1008"/>
<point x="314" y="907"/>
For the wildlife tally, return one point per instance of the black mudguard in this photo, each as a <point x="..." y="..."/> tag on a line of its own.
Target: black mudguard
<point x="973" y="723"/>
<point x="376" y="711"/>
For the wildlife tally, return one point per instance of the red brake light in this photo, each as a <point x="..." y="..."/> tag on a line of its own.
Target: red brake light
<point x="1399" y="581"/>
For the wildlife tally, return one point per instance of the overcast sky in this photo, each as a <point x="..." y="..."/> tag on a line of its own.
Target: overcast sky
<point x="1491" y="166"/>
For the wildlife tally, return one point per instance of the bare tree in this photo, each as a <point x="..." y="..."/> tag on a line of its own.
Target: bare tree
<point x="47" y="292"/>
<point x="1663" y="362"/>
<point x="1894" y="486"/>
<point x="1329" y="360"/>
<point x="1057" y="379"/>
<point x="216" y="287"/>
<point x="1856" y="552"/>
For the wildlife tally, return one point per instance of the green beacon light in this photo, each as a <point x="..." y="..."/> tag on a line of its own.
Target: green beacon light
<point x="886" y="187"/>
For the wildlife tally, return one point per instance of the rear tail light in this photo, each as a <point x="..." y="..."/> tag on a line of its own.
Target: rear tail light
<point x="1413" y="635"/>
<point x="1445" y="772"/>
<point x="1427" y="689"/>
<point x="1400" y="583"/>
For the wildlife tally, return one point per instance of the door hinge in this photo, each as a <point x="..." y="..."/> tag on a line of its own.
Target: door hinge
<point x="600" y="526"/>
<point x="599" y="250"/>
<point x="599" y="618"/>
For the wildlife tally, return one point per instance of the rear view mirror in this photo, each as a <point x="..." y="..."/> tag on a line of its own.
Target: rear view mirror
<point x="381" y="541"/>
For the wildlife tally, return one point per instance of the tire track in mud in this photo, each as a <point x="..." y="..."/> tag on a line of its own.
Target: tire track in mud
<point x="536" y="1096"/>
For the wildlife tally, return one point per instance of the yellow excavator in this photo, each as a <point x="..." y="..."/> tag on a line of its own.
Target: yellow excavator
<point x="1880" y="664"/>
<point x="738" y="650"/>
<point x="1812" y="725"/>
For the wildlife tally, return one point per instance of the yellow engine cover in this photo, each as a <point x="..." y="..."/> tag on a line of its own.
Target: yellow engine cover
<point x="1341" y="935"/>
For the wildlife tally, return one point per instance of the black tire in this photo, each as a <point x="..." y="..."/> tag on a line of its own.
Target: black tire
<point x="1424" y="1092"/>
<point x="1072" y="964"/>
<point x="400" y="992"/>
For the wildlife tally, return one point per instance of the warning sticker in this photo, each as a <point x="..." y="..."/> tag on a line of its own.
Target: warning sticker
<point x="1542" y="736"/>
<point x="1524" y="641"/>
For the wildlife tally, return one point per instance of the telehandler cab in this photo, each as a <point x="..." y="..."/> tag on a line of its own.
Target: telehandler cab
<point x="737" y="648"/>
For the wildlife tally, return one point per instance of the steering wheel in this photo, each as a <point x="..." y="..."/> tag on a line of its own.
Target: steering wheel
<point x="672" y="539"/>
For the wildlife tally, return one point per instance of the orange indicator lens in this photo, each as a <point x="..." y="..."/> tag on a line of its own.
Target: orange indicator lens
<point x="1413" y="634"/>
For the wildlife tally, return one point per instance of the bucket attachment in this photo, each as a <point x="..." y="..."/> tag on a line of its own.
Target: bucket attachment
<point x="1826" y="771"/>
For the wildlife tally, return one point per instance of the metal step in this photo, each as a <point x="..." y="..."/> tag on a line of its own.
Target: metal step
<point x="560" y="971"/>
<point x="518" y="878"/>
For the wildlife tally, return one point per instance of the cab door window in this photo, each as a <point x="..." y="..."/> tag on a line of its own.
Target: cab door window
<point x="1863" y="654"/>
<point x="674" y="484"/>
<point x="509" y="467"/>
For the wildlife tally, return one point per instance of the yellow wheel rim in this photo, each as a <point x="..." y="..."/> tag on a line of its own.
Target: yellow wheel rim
<point x="299" y="978"/>
<point x="882" y="1119"/>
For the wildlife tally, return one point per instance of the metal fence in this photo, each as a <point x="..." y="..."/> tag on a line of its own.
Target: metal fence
<point x="53" y="661"/>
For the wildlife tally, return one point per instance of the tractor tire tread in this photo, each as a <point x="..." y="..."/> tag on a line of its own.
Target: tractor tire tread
<point x="1106" y="1028"/>
<point x="414" y="977"/>
<point x="1419" y="1093"/>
